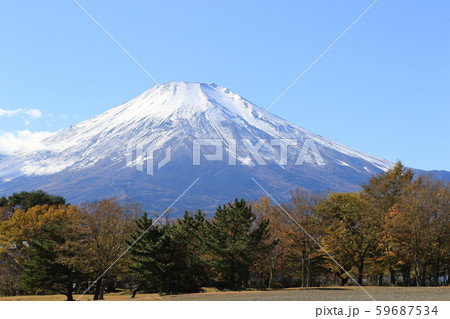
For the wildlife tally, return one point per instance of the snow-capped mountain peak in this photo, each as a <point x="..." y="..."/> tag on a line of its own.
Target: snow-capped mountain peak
<point x="176" y="112"/>
<point x="173" y="116"/>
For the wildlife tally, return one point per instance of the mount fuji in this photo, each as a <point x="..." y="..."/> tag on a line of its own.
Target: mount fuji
<point x="153" y="147"/>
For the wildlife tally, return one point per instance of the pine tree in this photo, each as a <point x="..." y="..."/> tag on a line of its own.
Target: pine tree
<point x="3" y="201"/>
<point x="46" y="270"/>
<point x="145" y="254"/>
<point x="170" y="258"/>
<point x="234" y="240"/>
<point x="27" y="200"/>
<point x="189" y="263"/>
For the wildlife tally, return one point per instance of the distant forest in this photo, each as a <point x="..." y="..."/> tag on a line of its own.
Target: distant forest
<point x="395" y="231"/>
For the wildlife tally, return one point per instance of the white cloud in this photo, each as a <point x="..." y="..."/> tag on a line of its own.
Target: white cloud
<point x="31" y="112"/>
<point x="22" y="141"/>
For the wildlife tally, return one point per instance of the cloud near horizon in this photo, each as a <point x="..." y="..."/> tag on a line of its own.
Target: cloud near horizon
<point x="22" y="141"/>
<point x="35" y="113"/>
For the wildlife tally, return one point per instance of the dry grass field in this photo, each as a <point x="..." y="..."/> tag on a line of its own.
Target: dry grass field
<point x="294" y="294"/>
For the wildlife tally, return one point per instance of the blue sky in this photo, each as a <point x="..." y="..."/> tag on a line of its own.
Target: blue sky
<point x="383" y="89"/>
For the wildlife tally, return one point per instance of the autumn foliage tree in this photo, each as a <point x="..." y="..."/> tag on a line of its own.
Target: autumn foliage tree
<point x="420" y="226"/>
<point x="107" y="225"/>
<point x="351" y="234"/>
<point x="384" y="191"/>
<point x="23" y="232"/>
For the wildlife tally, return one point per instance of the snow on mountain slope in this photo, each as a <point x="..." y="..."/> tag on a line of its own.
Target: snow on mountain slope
<point x="99" y="157"/>
<point x="172" y="115"/>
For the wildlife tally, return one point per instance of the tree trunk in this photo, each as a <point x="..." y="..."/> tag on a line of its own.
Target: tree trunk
<point x="407" y="276"/>
<point x="98" y="288"/>
<point x="308" y="274"/>
<point x="360" y="273"/>
<point x="392" y="276"/>
<point x="270" y="278"/>
<point x="437" y="265"/>
<point x="101" y="291"/>
<point x="69" y="293"/>
<point x="423" y="279"/>
<point x="303" y="269"/>
<point x="232" y="277"/>
<point x="391" y="270"/>
<point x="447" y="276"/>
<point x="380" y="280"/>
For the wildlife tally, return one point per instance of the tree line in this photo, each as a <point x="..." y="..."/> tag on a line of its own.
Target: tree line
<point x="395" y="231"/>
